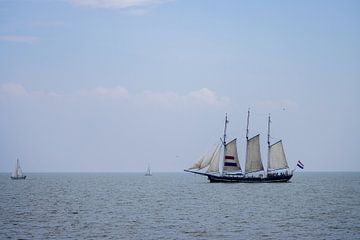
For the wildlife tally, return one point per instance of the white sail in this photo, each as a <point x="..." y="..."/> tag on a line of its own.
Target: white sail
<point x="197" y="164"/>
<point x="231" y="160"/>
<point x="205" y="160"/>
<point x="210" y="157"/>
<point x="148" y="171"/>
<point x="14" y="173"/>
<point x="214" y="162"/>
<point x="17" y="171"/>
<point x="253" y="156"/>
<point x="277" y="158"/>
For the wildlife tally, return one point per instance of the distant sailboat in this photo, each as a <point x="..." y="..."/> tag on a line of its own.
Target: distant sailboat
<point x="17" y="174"/>
<point x="148" y="171"/>
<point x="226" y="168"/>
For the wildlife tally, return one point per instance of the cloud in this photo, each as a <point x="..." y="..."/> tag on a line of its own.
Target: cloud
<point x="201" y="97"/>
<point x="13" y="89"/>
<point x="209" y="97"/>
<point x="113" y="93"/>
<point x="18" y="38"/>
<point x="118" y="4"/>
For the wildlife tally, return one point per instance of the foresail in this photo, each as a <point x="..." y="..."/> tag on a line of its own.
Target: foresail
<point x="214" y="162"/>
<point x="210" y="157"/>
<point x="277" y="158"/>
<point x="253" y="156"/>
<point x="231" y="160"/>
<point x="205" y="160"/>
<point x="14" y="173"/>
<point x="197" y="164"/>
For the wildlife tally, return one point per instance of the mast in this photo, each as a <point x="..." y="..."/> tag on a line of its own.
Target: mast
<point x="17" y="167"/>
<point x="226" y="122"/>
<point x="247" y="125"/>
<point x="268" y="141"/>
<point x="224" y="143"/>
<point x="268" y="137"/>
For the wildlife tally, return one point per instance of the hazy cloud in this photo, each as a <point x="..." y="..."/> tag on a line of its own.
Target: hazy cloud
<point x="117" y="4"/>
<point x="114" y="93"/>
<point x="204" y="96"/>
<point x="209" y="97"/>
<point x="13" y="89"/>
<point x="18" y="38"/>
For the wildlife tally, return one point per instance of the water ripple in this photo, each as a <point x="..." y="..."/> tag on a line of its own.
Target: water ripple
<point x="178" y="206"/>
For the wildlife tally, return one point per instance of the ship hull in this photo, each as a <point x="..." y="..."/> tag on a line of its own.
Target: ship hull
<point x="18" y="178"/>
<point x="244" y="179"/>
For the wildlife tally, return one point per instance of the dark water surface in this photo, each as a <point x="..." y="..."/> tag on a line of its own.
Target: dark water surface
<point x="178" y="206"/>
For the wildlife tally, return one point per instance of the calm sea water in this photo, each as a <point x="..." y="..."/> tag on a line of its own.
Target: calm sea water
<point x="178" y="206"/>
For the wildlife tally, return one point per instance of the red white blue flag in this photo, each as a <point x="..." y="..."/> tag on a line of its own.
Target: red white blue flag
<point x="300" y="164"/>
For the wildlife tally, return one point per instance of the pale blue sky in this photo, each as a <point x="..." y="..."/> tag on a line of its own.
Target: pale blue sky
<point x="116" y="84"/>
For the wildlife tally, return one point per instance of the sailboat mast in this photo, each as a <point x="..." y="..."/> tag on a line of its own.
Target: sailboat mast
<point x="268" y="141"/>
<point x="226" y="122"/>
<point x="221" y="163"/>
<point x="247" y="125"/>
<point x="268" y="136"/>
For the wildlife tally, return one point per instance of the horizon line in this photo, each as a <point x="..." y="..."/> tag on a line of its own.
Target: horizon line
<point x="304" y="171"/>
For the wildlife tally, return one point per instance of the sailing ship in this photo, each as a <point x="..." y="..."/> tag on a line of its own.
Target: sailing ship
<point x="17" y="174"/>
<point x="148" y="171"/>
<point x="222" y="163"/>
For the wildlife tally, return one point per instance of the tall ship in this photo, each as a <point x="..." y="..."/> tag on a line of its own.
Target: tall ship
<point x="17" y="173"/>
<point x="222" y="163"/>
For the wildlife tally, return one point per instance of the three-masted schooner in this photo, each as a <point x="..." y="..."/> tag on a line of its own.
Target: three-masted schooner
<point x="17" y="174"/>
<point x="225" y="166"/>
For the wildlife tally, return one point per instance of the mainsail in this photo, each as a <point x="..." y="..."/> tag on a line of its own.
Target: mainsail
<point x="277" y="159"/>
<point x="231" y="160"/>
<point x="253" y="157"/>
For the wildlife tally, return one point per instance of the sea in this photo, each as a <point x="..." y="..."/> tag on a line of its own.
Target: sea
<point x="314" y="205"/>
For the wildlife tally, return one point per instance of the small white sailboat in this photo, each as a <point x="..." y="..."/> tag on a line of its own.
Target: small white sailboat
<point x="148" y="171"/>
<point x="17" y="173"/>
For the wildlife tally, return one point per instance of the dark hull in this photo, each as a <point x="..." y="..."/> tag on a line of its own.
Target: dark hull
<point x="241" y="179"/>
<point x="18" y="178"/>
<point x="238" y="179"/>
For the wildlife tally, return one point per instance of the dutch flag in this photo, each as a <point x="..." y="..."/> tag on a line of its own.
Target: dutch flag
<point x="300" y="164"/>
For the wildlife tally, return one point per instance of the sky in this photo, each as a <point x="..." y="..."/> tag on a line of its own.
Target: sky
<point x="115" y="85"/>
